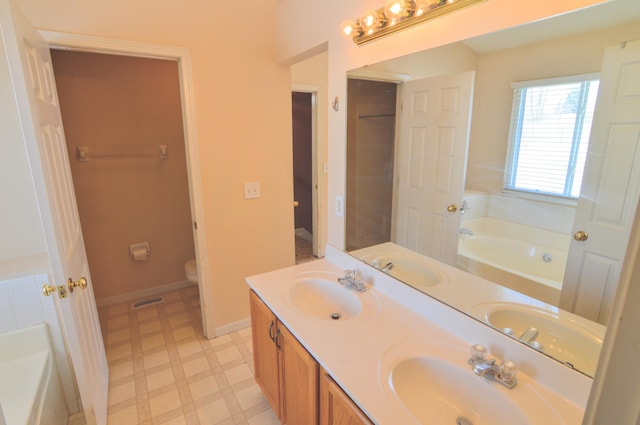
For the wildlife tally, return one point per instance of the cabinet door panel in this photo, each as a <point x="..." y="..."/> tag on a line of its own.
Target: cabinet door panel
<point x="336" y="408"/>
<point x="265" y="353"/>
<point x="299" y="381"/>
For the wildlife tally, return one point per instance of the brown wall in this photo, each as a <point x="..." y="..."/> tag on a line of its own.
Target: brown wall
<point x="302" y="157"/>
<point x="370" y="150"/>
<point x="117" y="104"/>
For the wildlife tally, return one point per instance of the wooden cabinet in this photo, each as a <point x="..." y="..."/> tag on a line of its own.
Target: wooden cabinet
<point x="265" y="352"/>
<point x="299" y="381"/>
<point x="336" y="408"/>
<point x="284" y="370"/>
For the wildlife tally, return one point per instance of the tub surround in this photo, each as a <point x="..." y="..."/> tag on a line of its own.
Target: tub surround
<point x="551" y="214"/>
<point x="16" y="267"/>
<point x="30" y="390"/>
<point x="22" y="305"/>
<point x="352" y="351"/>
<point x="512" y="254"/>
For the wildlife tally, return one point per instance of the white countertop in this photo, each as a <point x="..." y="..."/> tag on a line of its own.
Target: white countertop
<point x="354" y="351"/>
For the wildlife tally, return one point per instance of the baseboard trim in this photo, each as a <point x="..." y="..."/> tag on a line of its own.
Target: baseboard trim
<point x="144" y="293"/>
<point x="304" y="234"/>
<point x="232" y="327"/>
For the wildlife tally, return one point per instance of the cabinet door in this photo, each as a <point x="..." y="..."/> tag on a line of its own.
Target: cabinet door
<point x="265" y="353"/>
<point x="299" y="378"/>
<point x="336" y="408"/>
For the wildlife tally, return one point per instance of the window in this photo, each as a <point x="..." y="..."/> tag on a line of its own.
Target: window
<point x="549" y="135"/>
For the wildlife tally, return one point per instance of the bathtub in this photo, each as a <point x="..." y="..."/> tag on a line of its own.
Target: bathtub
<point x="526" y="259"/>
<point x="30" y="390"/>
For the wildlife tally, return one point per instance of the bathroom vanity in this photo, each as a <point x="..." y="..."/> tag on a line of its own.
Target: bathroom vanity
<point x="331" y="355"/>
<point x="290" y="377"/>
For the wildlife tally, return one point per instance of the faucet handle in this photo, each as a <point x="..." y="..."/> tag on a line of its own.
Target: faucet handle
<point x="508" y="372"/>
<point x="478" y="354"/>
<point x="350" y="274"/>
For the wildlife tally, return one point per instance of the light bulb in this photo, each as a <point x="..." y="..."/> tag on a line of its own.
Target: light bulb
<point x="423" y="6"/>
<point x="348" y="28"/>
<point x="394" y="10"/>
<point x="369" y="21"/>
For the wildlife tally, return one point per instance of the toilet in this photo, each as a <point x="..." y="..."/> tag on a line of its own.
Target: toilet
<point x="191" y="270"/>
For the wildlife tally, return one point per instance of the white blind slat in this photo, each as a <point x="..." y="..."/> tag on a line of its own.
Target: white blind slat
<point x="549" y="135"/>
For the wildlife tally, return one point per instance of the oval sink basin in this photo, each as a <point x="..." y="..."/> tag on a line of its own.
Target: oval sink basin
<point x="435" y="385"/>
<point x="565" y="337"/>
<point x="414" y="273"/>
<point x="323" y="297"/>
<point x="438" y="392"/>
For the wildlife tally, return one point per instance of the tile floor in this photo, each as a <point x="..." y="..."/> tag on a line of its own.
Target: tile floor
<point x="162" y="371"/>
<point x="304" y="250"/>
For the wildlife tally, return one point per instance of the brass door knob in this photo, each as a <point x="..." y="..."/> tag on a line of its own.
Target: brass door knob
<point x="82" y="283"/>
<point x="296" y="203"/>
<point x="452" y="208"/>
<point x="47" y="290"/>
<point x="581" y="236"/>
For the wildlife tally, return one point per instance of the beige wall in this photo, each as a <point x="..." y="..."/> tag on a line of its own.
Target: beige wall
<point x="243" y="114"/>
<point x="496" y="71"/>
<point x="126" y="105"/>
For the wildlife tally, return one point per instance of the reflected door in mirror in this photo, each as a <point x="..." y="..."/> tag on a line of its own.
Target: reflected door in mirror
<point x="432" y="155"/>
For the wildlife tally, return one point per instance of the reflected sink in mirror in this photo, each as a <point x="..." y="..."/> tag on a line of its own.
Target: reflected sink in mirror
<point x="318" y="294"/>
<point x="406" y="271"/>
<point x="441" y="388"/>
<point x="403" y="264"/>
<point x="564" y="336"/>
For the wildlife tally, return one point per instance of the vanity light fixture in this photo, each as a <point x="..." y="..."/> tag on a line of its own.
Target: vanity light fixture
<point x="397" y="15"/>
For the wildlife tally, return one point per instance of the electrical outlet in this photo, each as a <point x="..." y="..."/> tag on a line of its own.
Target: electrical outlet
<point x="251" y="190"/>
<point x="340" y="205"/>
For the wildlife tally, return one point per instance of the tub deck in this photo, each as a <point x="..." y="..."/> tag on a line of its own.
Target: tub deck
<point x="513" y="255"/>
<point x="23" y="382"/>
<point x="30" y="390"/>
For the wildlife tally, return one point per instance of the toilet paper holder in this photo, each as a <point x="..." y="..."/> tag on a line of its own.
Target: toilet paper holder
<point x="139" y="251"/>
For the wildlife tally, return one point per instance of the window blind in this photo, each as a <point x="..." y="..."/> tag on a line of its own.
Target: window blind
<point x="549" y="135"/>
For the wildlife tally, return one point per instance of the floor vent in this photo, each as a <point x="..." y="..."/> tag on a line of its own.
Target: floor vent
<point x="146" y="303"/>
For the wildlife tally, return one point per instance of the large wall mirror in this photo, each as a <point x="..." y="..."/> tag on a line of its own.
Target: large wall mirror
<point x="513" y="157"/>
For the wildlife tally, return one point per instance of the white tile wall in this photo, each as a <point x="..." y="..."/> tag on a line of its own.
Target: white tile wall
<point x="551" y="216"/>
<point x="544" y="215"/>
<point x="22" y="305"/>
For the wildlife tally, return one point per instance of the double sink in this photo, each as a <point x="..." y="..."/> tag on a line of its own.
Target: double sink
<point x="432" y="382"/>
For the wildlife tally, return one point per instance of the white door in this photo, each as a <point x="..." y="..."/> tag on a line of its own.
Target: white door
<point x="432" y="161"/>
<point x="610" y="188"/>
<point x="34" y="85"/>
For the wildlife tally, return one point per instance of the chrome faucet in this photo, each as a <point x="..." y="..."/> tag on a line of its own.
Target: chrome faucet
<point x="464" y="207"/>
<point x="465" y="231"/>
<point x="352" y="280"/>
<point x="387" y="267"/>
<point x="529" y="337"/>
<point x="485" y="365"/>
<point x="384" y="268"/>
